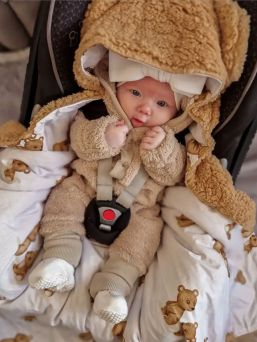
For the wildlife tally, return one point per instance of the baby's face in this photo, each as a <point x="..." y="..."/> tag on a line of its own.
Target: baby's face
<point x="147" y="102"/>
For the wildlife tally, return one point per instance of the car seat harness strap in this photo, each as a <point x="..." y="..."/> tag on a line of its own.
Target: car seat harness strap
<point x="106" y="216"/>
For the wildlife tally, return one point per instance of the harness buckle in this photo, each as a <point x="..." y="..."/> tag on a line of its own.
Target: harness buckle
<point x="105" y="220"/>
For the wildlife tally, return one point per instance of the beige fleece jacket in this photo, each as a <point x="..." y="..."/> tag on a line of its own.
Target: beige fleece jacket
<point x="65" y="208"/>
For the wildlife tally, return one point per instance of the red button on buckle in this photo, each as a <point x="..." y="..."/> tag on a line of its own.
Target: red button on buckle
<point x="109" y="215"/>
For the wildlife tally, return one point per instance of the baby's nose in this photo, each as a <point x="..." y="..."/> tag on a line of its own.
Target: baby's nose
<point x="145" y="108"/>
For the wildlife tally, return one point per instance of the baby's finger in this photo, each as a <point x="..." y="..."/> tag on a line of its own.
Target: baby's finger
<point x="119" y="123"/>
<point x="146" y="146"/>
<point x="157" y="129"/>
<point x="150" y="133"/>
<point x="147" y="140"/>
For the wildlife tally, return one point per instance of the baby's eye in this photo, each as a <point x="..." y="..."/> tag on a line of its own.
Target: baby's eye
<point x="162" y="103"/>
<point x="134" y="92"/>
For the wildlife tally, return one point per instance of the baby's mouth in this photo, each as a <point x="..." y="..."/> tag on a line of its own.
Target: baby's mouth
<point x="136" y="122"/>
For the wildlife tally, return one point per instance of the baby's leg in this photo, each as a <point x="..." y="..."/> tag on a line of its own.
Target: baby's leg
<point x="130" y="255"/>
<point x="110" y="287"/>
<point x="56" y="271"/>
<point x="62" y="227"/>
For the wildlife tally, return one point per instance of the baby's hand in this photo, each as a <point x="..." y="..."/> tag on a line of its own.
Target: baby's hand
<point x="115" y="134"/>
<point x="152" y="138"/>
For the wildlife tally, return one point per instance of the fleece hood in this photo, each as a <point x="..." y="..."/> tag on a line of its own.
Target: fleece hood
<point x="174" y="36"/>
<point x="189" y="37"/>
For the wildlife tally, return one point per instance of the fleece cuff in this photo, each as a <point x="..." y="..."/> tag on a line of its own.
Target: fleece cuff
<point x="116" y="276"/>
<point x="65" y="246"/>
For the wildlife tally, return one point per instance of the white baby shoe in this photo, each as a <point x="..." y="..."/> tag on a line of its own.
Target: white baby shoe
<point x="112" y="308"/>
<point x="54" y="274"/>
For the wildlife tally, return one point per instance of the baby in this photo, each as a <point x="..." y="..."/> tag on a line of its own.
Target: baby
<point x="147" y="103"/>
<point x="137" y="135"/>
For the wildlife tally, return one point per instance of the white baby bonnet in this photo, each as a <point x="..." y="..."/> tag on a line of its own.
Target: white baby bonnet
<point x="123" y="70"/>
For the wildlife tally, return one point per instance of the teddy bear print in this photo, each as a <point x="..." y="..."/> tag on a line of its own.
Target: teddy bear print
<point x="17" y="166"/>
<point x="118" y="329"/>
<point x="184" y="221"/>
<point x="186" y="301"/>
<point x="188" y="330"/>
<point x="228" y="229"/>
<point x="240" y="278"/>
<point x="245" y="233"/>
<point x="21" y="269"/>
<point x="61" y="146"/>
<point x="251" y="243"/>
<point x="29" y="318"/>
<point x="18" y="338"/>
<point x="230" y="337"/>
<point x="25" y="244"/>
<point x="85" y="336"/>
<point x="219" y="247"/>
<point x="32" y="143"/>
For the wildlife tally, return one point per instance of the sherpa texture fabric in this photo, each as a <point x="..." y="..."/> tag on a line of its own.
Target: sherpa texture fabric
<point x="190" y="36"/>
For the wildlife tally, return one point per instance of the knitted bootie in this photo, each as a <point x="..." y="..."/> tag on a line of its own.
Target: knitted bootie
<point x="110" y="307"/>
<point x="53" y="274"/>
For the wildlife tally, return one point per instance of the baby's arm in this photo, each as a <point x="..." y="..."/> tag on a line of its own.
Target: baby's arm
<point x="62" y="227"/>
<point x="165" y="163"/>
<point x="89" y="138"/>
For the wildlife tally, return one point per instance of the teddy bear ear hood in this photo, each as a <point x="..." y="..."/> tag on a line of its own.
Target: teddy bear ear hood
<point x="170" y="35"/>
<point x="207" y="38"/>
